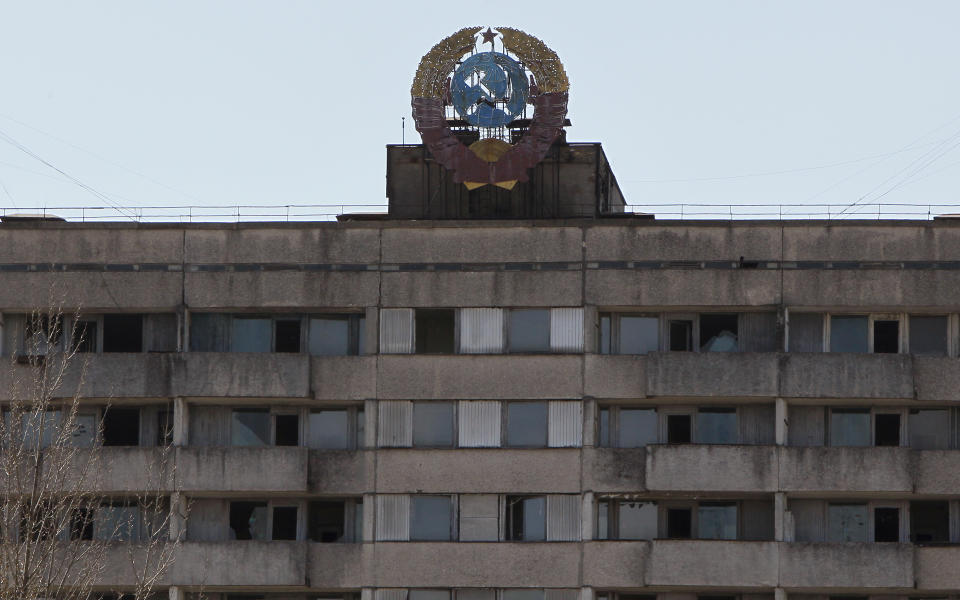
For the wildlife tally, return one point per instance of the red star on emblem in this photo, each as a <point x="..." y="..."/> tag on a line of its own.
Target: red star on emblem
<point x="489" y="36"/>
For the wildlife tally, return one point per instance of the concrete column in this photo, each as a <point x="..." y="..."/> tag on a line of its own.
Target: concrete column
<point x="782" y="521"/>
<point x="586" y="593"/>
<point x="177" y="593"/>
<point x="371" y="330"/>
<point x="586" y="518"/>
<point x="369" y="512"/>
<point x="589" y="422"/>
<point x="782" y="424"/>
<point x="181" y="421"/>
<point x="369" y="425"/>
<point x="779" y="594"/>
<point x="590" y="329"/>
<point x="178" y="517"/>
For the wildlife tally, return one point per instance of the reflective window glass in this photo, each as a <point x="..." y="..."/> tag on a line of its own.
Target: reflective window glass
<point x="329" y="336"/>
<point x="848" y="333"/>
<point x="717" y="426"/>
<point x="638" y="521"/>
<point x="639" y="335"/>
<point x="638" y="427"/>
<point x="850" y="427"/>
<point x="250" y="335"/>
<point x="929" y="429"/>
<point x="717" y="521"/>
<point x="430" y="518"/>
<point x="527" y="424"/>
<point x="928" y="335"/>
<point x="529" y="330"/>
<point x="250" y="427"/>
<point x="329" y="429"/>
<point x="117" y="523"/>
<point x="847" y="523"/>
<point x="433" y="424"/>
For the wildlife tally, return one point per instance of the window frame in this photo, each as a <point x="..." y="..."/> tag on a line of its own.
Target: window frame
<point x="356" y="426"/>
<point x="300" y="505"/>
<point x="453" y="526"/>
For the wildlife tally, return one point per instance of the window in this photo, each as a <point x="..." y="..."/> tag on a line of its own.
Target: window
<point x="886" y="524"/>
<point x="929" y="428"/>
<point x="81" y="524"/>
<point x="121" y="426"/>
<point x="850" y="427"/>
<point x="336" y="521"/>
<point x="678" y="429"/>
<point x="526" y="424"/>
<point x="287" y="429"/>
<point x="679" y="523"/>
<point x="886" y="336"/>
<point x="263" y="427"/>
<point x="626" y="520"/>
<point x="117" y="521"/>
<point x="629" y="334"/>
<point x="250" y="334"/>
<point x="717" y="521"/>
<point x="929" y="521"/>
<point x="526" y="518"/>
<point x="336" y="428"/>
<point x="623" y="427"/>
<point x="435" y="331"/>
<point x="717" y="426"/>
<point x="123" y="333"/>
<point x="284" y="522"/>
<point x="718" y="332"/>
<point x="286" y="335"/>
<point x="84" y="338"/>
<point x="336" y="335"/>
<point x="433" y="424"/>
<point x="805" y="332"/>
<point x="681" y="335"/>
<point x="847" y="523"/>
<point x="326" y="335"/>
<point x="428" y="595"/>
<point x="431" y="518"/>
<point x="529" y="330"/>
<point x="928" y="335"/>
<point x="886" y="429"/>
<point x="164" y="427"/>
<point x="249" y="520"/>
<point x="522" y="594"/>
<point x="848" y="333"/>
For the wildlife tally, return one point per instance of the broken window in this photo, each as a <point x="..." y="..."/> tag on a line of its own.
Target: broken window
<point x="681" y="335"/>
<point x="286" y="335"/>
<point x="335" y="521"/>
<point x="433" y="424"/>
<point x="85" y="336"/>
<point x="284" y="523"/>
<point x="250" y="427"/>
<point x="528" y="330"/>
<point x="287" y="429"/>
<point x="928" y="335"/>
<point x="121" y="426"/>
<point x="81" y="524"/>
<point x="431" y="518"/>
<point x="886" y="524"/>
<point x="123" y="333"/>
<point x="41" y="334"/>
<point x="717" y="521"/>
<point x="929" y="521"/>
<point x="248" y="520"/>
<point x="847" y="523"/>
<point x="84" y="430"/>
<point x="886" y="336"/>
<point x="526" y="424"/>
<point x="678" y="429"/>
<point x="626" y="520"/>
<point x="886" y="429"/>
<point x="164" y="427"/>
<point x="336" y="429"/>
<point x="718" y="332"/>
<point x="929" y="428"/>
<point x="435" y="331"/>
<point x="526" y="518"/>
<point x="717" y="426"/>
<point x="850" y="427"/>
<point x="848" y="333"/>
<point x="679" y="523"/>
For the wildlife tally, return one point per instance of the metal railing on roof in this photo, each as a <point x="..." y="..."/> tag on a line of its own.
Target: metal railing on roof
<point x="237" y="213"/>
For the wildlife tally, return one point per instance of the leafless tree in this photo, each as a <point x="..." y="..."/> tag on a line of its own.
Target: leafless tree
<point x="61" y="536"/>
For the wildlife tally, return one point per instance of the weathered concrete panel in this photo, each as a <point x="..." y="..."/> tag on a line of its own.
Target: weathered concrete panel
<point x="872" y="469"/>
<point x="614" y="469"/>
<point x="482" y="288"/>
<point x="615" y="564"/>
<point x="239" y="563"/>
<point x="723" y="374"/>
<point x="877" y="288"/>
<point x="852" y="565"/>
<point x="936" y="568"/>
<point x="681" y="287"/>
<point x="466" y="564"/>
<point x="607" y="376"/>
<point x="935" y="471"/>
<point x="83" y="243"/>
<point x="487" y="377"/>
<point x="889" y="241"/>
<point x="303" y="290"/>
<point x="692" y="241"/>
<point x="700" y="467"/>
<point x="241" y="375"/>
<point x="116" y="470"/>
<point x="340" y="566"/>
<point x="487" y="470"/>
<point x="343" y="377"/>
<point x="102" y="376"/>
<point x="443" y="243"/>
<point x="937" y="377"/>
<point x="118" y="563"/>
<point x="712" y="563"/>
<point x="318" y="243"/>
<point x="341" y="471"/>
<point x="838" y="375"/>
<point x="91" y="291"/>
<point x="273" y="469"/>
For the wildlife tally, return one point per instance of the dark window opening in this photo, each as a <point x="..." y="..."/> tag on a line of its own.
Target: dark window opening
<point x="248" y="520"/>
<point x="285" y="522"/>
<point x="286" y="335"/>
<point x="85" y="336"/>
<point x="121" y="427"/>
<point x="886" y="430"/>
<point x="526" y="518"/>
<point x="165" y="427"/>
<point x="678" y="429"/>
<point x="81" y="524"/>
<point x="886" y="525"/>
<point x="40" y="332"/>
<point x="679" y="523"/>
<point x="327" y="521"/>
<point x="122" y="333"/>
<point x="287" y="430"/>
<point x="681" y="336"/>
<point x="928" y="335"/>
<point x="929" y="521"/>
<point x="886" y="337"/>
<point x="435" y="331"/>
<point x="718" y="333"/>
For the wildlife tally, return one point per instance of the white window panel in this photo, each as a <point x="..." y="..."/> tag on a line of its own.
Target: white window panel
<point x="395" y="424"/>
<point x="481" y="330"/>
<point x="566" y="329"/>
<point x="563" y="518"/>
<point x="393" y="518"/>
<point x="565" y="424"/>
<point x="479" y="423"/>
<point x="396" y="330"/>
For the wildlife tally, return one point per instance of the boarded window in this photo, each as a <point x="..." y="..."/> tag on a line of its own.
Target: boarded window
<point x="848" y="333"/>
<point x="393" y="518"/>
<point x="396" y="330"/>
<point x="481" y="330"/>
<point x="479" y="424"/>
<point x="758" y="332"/>
<point x="563" y="518"/>
<point x="565" y="424"/>
<point x="566" y="329"/>
<point x="395" y="424"/>
<point x="479" y="520"/>
<point x="757" y="424"/>
<point x="806" y="332"/>
<point x="806" y="425"/>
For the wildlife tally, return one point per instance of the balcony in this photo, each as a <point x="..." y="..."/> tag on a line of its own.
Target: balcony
<point x="214" y="469"/>
<point x="343" y="378"/>
<point x="714" y="374"/>
<point x="872" y="469"/>
<point x="853" y="565"/>
<point x="831" y="375"/>
<point x="241" y="375"/>
<point x="615" y="469"/>
<point x="611" y="376"/>
<point x="240" y="563"/>
<point x="341" y="471"/>
<point x="712" y="563"/>
<point x="715" y="468"/>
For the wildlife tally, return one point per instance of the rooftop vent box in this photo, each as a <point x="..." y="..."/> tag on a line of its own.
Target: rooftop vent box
<point x="29" y="218"/>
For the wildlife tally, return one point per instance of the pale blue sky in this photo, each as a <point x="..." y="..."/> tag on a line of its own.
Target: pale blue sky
<point x="292" y="102"/>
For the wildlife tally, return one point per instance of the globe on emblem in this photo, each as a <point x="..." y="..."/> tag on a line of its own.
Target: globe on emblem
<point x="489" y="89"/>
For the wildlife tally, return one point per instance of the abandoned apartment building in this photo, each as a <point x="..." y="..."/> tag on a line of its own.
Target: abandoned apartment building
<point x="513" y="395"/>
